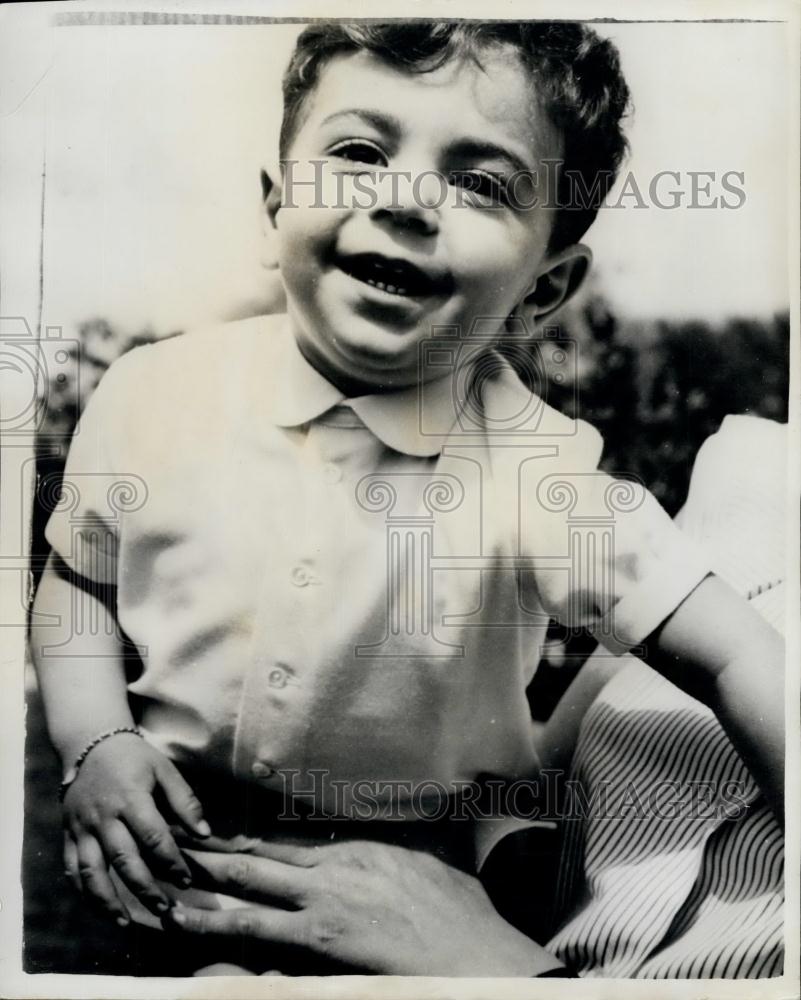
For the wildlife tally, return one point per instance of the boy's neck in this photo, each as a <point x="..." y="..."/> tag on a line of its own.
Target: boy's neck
<point x="351" y="388"/>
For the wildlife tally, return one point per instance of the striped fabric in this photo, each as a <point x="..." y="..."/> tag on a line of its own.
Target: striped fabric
<point x="667" y="881"/>
<point x="699" y="896"/>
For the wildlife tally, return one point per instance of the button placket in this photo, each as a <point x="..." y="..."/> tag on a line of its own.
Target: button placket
<point x="277" y="677"/>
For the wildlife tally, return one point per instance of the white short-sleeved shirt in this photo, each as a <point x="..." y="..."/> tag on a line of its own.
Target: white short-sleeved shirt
<point x="327" y="590"/>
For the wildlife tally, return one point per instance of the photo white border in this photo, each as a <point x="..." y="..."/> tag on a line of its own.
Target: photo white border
<point x="26" y="28"/>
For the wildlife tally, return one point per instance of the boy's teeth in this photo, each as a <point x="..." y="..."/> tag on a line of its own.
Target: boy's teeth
<point x="382" y="287"/>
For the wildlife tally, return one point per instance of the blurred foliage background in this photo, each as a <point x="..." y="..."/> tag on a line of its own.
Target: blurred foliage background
<point x="655" y="390"/>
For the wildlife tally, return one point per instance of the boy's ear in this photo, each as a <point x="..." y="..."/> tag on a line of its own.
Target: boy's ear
<point x="558" y="280"/>
<point x="271" y="202"/>
<point x="270" y="194"/>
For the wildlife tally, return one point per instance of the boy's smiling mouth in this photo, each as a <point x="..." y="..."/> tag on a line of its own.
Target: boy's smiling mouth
<point x="391" y="275"/>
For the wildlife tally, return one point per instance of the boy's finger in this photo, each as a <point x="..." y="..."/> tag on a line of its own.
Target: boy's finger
<point x="95" y="881"/>
<point x="123" y="855"/>
<point x="71" y="861"/>
<point x="182" y="800"/>
<point x="150" y="829"/>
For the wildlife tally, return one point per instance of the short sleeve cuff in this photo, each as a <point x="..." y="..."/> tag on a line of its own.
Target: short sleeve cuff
<point x="90" y="500"/>
<point x="89" y="549"/>
<point x="644" y="609"/>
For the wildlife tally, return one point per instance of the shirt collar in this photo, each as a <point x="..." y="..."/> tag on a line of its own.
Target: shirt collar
<point x="300" y="394"/>
<point x="414" y="421"/>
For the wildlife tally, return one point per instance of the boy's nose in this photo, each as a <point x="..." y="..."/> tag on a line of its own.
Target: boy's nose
<point x="423" y="222"/>
<point x="411" y="202"/>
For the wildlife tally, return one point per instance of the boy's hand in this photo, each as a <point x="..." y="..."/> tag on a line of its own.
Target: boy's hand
<point x="110" y="816"/>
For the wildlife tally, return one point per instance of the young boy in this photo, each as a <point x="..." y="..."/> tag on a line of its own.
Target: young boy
<point x="353" y="522"/>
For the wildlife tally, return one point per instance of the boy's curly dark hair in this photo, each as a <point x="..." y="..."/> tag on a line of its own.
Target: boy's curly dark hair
<point x="577" y="75"/>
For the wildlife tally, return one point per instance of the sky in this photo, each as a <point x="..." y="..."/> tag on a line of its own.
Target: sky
<point x="155" y="137"/>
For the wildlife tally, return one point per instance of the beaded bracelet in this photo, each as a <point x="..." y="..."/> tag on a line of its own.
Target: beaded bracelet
<point x="72" y="774"/>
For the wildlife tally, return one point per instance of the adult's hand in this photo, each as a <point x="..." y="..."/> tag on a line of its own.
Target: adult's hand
<point x="371" y="906"/>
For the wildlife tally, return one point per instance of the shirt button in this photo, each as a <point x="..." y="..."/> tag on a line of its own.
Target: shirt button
<point x="332" y="474"/>
<point x="262" y="770"/>
<point x="277" y="677"/>
<point x="300" y="576"/>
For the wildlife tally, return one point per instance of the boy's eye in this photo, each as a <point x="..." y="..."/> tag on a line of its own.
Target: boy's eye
<point x="359" y="151"/>
<point x="482" y="187"/>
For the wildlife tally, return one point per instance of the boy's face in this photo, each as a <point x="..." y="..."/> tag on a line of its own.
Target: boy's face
<point x="407" y="225"/>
